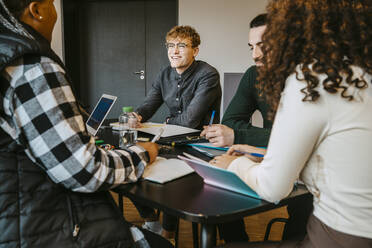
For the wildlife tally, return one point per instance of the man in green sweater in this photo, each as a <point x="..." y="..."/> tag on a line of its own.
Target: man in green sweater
<point x="236" y="127"/>
<point x="239" y="113"/>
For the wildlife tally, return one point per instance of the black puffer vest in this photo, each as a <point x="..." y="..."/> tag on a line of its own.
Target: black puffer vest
<point x="34" y="211"/>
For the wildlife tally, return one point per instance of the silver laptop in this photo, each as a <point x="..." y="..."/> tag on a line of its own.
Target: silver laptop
<point x="220" y="178"/>
<point x="99" y="113"/>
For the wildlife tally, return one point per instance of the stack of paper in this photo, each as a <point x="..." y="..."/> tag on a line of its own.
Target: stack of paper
<point x="154" y="129"/>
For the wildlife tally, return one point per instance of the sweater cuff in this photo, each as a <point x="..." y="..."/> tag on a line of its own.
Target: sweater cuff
<point x="141" y="152"/>
<point x="246" y="169"/>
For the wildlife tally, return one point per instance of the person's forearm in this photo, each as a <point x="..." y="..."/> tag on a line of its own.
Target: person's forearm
<point x="151" y="103"/>
<point x="148" y="108"/>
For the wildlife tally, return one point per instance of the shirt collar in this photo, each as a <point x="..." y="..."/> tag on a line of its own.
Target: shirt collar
<point x="186" y="73"/>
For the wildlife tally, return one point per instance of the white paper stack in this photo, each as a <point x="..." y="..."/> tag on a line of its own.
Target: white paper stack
<point x="154" y="129"/>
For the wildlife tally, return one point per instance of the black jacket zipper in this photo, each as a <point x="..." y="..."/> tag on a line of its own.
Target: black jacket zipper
<point x="74" y="219"/>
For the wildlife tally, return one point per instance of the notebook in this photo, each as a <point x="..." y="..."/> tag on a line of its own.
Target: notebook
<point x="99" y="113"/>
<point x="163" y="170"/>
<point x="220" y="178"/>
<point x="210" y="146"/>
<point x="212" y="151"/>
<point x="209" y="149"/>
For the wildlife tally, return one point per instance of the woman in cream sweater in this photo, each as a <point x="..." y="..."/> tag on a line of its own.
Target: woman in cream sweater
<point x="317" y="76"/>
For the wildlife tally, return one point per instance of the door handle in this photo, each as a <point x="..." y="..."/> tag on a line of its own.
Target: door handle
<point x="141" y="72"/>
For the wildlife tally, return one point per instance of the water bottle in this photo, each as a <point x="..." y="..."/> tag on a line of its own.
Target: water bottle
<point x="127" y="124"/>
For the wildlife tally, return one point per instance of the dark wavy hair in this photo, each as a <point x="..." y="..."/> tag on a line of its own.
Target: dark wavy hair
<point x="322" y="36"/>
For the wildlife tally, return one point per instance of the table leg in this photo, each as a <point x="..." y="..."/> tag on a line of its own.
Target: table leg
<point x="207" y="236"/>
<point x="195" y="234"/>
<point x="121" y="205"/>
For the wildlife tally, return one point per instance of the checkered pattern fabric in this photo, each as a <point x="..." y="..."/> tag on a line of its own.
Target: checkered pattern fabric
<point x="40" y="112"/>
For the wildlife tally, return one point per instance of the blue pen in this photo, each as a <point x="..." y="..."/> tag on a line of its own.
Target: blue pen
<point x="212" y="117"/>
<point x="251" y="153"/>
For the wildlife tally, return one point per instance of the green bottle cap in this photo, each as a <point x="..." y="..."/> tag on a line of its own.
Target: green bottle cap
<point x="127" y="109"/>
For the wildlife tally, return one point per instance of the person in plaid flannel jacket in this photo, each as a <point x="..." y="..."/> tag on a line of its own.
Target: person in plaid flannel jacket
<point x="54" y="180"/>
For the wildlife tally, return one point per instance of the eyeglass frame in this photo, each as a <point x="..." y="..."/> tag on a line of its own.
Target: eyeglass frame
<point x="183" y="46"/>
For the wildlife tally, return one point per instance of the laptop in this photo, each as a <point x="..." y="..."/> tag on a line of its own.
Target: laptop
<point x="220" y="178"/>
<point x="99" y="113"/>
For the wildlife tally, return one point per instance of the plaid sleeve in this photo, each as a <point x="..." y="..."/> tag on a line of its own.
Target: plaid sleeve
<point x="47" y="121"/>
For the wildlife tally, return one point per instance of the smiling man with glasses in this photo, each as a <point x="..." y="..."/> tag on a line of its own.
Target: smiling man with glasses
<point x="190" y="88"/>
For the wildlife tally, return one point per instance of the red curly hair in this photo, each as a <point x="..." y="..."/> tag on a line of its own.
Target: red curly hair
<point x="323" y="36"/>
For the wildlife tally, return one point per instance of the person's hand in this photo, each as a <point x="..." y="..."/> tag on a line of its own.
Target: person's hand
<point x="139" y="119"/>
<point x="222" y="161"/>
<point x="152" y="148"/>
<point x="218" y="135"/>
<point x="245" y="150"/>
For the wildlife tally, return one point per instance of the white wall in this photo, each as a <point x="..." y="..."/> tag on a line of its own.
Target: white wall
<point x="223" y="26"/>
<point x="57" y="41"/>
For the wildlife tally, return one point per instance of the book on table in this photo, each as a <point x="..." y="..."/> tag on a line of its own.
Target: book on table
<point x="164" y="170"/>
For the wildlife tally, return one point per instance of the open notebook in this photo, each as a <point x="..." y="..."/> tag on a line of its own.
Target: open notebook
<point x="164" y="170"/>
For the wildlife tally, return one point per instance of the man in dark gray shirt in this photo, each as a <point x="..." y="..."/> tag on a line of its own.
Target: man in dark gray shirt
<point x="190" y="88"/>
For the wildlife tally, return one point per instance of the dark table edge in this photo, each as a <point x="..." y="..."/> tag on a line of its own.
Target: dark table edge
<point x="211" y="219"/>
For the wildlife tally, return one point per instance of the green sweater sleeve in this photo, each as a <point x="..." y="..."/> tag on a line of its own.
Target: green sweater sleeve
<point x="240" y="110"/>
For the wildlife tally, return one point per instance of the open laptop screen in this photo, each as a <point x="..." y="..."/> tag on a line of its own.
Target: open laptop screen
<point x="99" y="113"/>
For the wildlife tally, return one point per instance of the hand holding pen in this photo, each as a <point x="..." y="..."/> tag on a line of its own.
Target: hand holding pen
<point x="254" y="153"/>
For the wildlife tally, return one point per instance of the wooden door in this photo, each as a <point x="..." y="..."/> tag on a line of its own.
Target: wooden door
<point x="110" y="43"/>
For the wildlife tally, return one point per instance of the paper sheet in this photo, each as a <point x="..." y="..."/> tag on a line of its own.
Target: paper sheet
<point x="154" y="129"/>
<point x="164" y="170"/>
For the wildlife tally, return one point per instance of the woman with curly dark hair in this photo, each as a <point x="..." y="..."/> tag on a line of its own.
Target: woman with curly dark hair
<point x="317" y="75"/>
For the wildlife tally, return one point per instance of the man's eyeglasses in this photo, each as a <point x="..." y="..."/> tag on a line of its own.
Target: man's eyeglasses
<point x="180" y="46"/>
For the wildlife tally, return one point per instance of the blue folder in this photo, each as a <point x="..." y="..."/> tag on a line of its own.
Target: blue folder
<point x="220" y="178"/>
